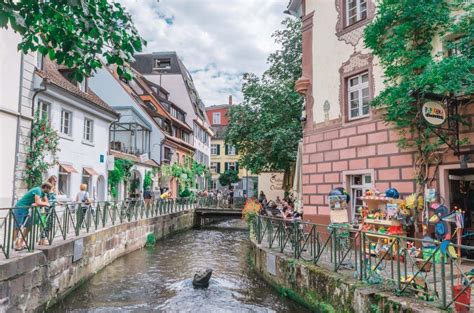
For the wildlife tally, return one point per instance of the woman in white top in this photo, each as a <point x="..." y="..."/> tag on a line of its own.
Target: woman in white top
<point x="82" y="197"/>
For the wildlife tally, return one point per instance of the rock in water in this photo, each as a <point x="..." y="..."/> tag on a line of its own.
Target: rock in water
<point x="201" y="278"/>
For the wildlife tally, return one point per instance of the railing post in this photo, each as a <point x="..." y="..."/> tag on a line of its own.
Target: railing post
<point x="443" y="280"/>
<point x="399" y="283"/>
<point x="334" y="247"/>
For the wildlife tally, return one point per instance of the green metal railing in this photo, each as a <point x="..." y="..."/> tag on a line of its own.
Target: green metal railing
<point x="355" y="252"/>
<point x="69" y="220"/>
<point x="221" y="202"/>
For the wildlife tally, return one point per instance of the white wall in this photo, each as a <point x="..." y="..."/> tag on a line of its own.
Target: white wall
<point x="73" y="149"/>
<point x="109" y="89"/>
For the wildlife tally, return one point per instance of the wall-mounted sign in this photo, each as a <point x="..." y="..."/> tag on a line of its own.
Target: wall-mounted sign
<point x="78" y="249"/>
<point x="271" y="264"/>
<point x="101" y="158"/>
<point x="434" y="113"/>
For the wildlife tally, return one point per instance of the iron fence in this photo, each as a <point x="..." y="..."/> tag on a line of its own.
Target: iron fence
<point x="389" y="260"/>
<point x="69" y="220"/>
<point x="221" y="202"/>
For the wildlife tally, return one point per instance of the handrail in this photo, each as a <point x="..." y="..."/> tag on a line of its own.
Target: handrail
<point x="372" y="257"/>
<point x="71" y="219"/>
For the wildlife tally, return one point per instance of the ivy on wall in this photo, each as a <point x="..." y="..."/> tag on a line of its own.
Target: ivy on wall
<point x="402" y="36"/>
<point x="120" y="173"/>
<point x="42" y="151"/>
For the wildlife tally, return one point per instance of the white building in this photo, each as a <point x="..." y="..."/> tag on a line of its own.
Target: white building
<point x="136" y="137"/>
<point x="167" y="70"/>
<point x="82" y="120"/>
<point x="16" y="76"/>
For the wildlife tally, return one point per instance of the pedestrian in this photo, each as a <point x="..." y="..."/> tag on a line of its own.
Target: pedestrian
<point x="147" y="196"/>
<point x="231" y="197"/>
<point x="83" y="200"/>
<point x="35" y="197"/>
<point x="262" y="198"/>
<point x="46" y="218"/>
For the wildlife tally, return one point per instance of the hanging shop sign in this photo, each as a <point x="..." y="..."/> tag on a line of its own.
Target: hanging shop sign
<point x="434" y="113"/>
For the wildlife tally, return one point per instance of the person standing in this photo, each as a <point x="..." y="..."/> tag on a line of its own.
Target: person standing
<point x="35" y="197"/>
<point x="84" y="201"/>
<point x="147" y="196"/>
<point x="231" y="197"/>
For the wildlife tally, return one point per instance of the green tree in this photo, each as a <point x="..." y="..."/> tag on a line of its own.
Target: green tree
<point x="266" y="127"/>
<point x="147" y="180"/>
<point x="76" y="33"/>
<point x="401" y="36"/>
<point x="120" y="173"/>
<point x="228" y="178"/>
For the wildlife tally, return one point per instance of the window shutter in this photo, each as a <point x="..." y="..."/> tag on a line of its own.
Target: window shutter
<point x="218" y="150"/>
<point x="226" y="166"/>
<point x="218" y="168"/>
<point x="236" y="151"/>
<point x="226" y="149"/>
<point x="237" y="166"/>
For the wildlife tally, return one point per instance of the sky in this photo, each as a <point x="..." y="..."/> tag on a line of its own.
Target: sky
<point x="218" y="40"/>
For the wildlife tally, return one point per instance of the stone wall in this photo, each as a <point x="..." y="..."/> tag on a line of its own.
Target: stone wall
<point x="324" y="291"/>
<point x="37" y="280"/>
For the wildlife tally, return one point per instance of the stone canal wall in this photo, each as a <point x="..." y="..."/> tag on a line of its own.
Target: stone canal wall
<point x="35" y="281"/>
<point x="326" y="291"/>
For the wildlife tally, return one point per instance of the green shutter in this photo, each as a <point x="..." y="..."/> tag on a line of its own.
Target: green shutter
<point x="226" y="164"/>
<point x="226" y="150"/>
<point x="218" y="149"/>
<point x="237" y="166"/>
<point x="218" y="169"/>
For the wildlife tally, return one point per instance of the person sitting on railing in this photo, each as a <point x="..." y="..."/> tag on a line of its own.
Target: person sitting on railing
<point x="36" y="196"/>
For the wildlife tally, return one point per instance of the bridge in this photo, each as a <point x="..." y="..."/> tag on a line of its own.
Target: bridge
<point x="211" y="208"/>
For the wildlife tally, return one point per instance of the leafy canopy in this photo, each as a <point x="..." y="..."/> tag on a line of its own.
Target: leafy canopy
<point x="266" y="127"/>
<point x="75" y="33"/>
<point x="402" y="37"/>
<point x="228" y="178"/>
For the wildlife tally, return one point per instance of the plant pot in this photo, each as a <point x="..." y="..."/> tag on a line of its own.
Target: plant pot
<point x="463" y="302"/>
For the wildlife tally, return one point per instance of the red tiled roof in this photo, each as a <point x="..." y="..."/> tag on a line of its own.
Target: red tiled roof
<point x="52" y="75"/>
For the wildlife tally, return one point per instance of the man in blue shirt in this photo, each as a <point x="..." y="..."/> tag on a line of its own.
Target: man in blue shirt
<point x="34" y="197"/>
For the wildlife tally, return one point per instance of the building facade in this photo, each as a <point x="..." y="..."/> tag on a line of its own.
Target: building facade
<point x="82" y="120"/>
<point x="225" y="157"/>
<point x="346" y="142"/>
<point x="167" y="70"/>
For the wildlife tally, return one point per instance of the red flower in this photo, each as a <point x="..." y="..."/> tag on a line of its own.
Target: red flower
<point x="46" y="140"/>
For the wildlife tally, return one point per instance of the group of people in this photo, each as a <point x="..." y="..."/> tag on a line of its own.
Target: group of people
<point x="282" y="208"/>
<point x="41" y="198"/>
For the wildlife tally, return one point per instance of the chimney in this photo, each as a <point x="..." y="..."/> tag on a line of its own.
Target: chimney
<point x="230" y="100"/>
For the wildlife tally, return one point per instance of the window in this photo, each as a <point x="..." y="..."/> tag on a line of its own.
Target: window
<point x="167" y="154"/>
<point x="88" y="129"/>
<point x="358" y="95"/>
<point x="66" y="122"/>
<point x="232" y="166"/>
<point x="456" y="46"/>
<point x="86" y="179"/>
<point x="43" y="109"/>
<point x="63" y="181"/>
<point x="359" y="184"/>
<point x="356" y="10"/>
<point x="230" y="150"/>
<point x="186" y="137"/>
<point x="213" y="185"/>
<point x="177" y="158"/>
<point x="163" y="64"/>
<point x="216" y="118"/>
<point x="215" y="149"/>
<point x="215" y="167"/>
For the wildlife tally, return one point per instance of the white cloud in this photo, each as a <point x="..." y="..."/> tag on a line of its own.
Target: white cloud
<point x="218" y="40"/>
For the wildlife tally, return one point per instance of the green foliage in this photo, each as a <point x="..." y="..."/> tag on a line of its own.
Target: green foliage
<point x="228" y="178"/>
<point x="76" y="33"/>
<point x="121" y="172"/>
<point x="44" y="146"/>
<point x="150" y="240"/>
<point x="147" y="180"/>
<point x="186" y="173"/>
<point x="266" y="127"/>
<point x="401" y="36"/>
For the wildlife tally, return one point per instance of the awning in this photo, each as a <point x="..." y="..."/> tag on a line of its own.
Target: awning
<point x="68" y="168"/>
<point x="90" y="171"/>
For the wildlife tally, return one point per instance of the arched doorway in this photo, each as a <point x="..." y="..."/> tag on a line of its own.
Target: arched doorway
<point x="101" y="188"/>
<point x="134" y="185"/>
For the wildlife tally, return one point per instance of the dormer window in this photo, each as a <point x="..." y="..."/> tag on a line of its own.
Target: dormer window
<point x="162" y="64"/>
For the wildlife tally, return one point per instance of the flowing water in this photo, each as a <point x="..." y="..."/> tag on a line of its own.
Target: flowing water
<point x="160" y="279"/>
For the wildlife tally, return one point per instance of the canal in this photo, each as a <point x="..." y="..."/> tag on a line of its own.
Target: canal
<point x="160" y="278"/>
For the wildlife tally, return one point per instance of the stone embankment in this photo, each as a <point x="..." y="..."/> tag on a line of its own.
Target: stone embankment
<point x="37" y="280"/>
